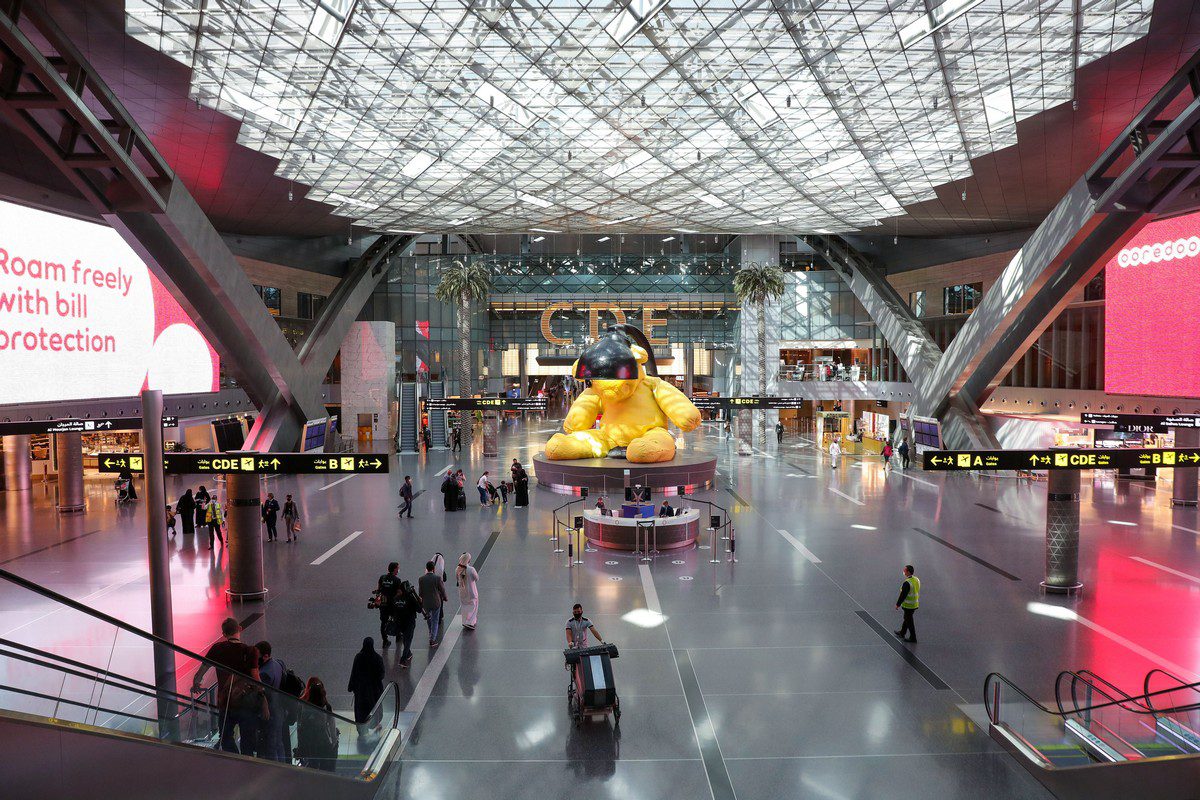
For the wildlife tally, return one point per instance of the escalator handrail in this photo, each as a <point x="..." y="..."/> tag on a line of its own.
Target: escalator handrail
<point x="50" y="594"/>
<point x="1098" y="684"/>
<point x="1143" y="698"/>
<point x="44" y="696"/>
<point x="87" y="671"/>
<point x="104" y="678"/>
<point x="1194" y="686"/>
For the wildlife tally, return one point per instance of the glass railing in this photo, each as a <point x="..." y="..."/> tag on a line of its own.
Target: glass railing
<point x="1123" y="727"/>
<point x="71" y="664"/>
<point x="1176" y="703"/>
<point x="1095" y="720"/>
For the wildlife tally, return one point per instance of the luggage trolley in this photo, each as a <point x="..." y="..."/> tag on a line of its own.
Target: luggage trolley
<point x="592" y="690"/>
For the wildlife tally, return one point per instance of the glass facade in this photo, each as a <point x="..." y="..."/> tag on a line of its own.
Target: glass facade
<point x="819" y="306"/>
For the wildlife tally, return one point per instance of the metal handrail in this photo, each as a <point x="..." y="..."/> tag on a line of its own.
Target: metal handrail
<point x="1195" y="687"/>
<point x="49" y="594"/>
<point x="64" y="701"/>
<point x="1098" y="684"/>
<point x="145" y="690"/>
<point x="991" y="704"/>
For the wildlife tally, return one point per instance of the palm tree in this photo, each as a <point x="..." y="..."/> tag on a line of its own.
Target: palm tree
<point x="462" y="284"/>
<point x="756" y="284"/>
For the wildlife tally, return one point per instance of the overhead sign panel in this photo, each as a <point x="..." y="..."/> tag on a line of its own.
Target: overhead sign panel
<point x="1141" y="423"/>
<point x="102" y="425"/>
<point x="953" y="460"/>
<point x="713" y="403"/>
<point x="260" y="463"/>
<point x="485" y="403"/>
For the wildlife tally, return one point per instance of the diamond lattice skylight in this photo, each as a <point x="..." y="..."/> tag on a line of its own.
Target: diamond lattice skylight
<point x="714" y="115"/>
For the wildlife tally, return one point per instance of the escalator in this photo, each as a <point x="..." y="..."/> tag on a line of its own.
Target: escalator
<point x="410" y="417"/>
<point x="437" y="419"/>
<point x="85" y="712"/>
<point x="1099" y="742"/>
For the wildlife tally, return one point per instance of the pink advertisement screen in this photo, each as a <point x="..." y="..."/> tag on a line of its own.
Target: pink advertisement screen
<point x="1151" y="330"/>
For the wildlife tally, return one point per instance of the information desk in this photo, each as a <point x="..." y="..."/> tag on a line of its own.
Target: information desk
<point x="620" y="533"/>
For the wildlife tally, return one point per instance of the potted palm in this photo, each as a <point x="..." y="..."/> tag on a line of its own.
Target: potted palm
<point x="462" y="284"/>
<point x="756" y="284"/>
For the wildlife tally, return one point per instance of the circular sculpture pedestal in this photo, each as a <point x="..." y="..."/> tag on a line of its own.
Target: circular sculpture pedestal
<point x="608" y="475"/>
<point x="621" y="533"/>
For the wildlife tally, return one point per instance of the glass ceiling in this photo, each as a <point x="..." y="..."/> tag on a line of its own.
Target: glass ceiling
<point x="757" y="116"/>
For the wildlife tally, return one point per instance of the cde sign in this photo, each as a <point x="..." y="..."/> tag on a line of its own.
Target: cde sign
<point x="649" y="321"/>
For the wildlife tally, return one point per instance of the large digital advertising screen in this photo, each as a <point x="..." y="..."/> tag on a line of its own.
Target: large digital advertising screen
<point x="81" y="316"/>
<point x="1151" y="330"/>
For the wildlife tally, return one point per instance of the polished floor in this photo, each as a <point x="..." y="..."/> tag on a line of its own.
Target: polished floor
<point x="775" y="676"/>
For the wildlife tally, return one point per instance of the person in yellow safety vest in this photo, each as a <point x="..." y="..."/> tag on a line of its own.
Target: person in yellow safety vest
<point x="215" y="520"/>
<point x="909" y="601"/>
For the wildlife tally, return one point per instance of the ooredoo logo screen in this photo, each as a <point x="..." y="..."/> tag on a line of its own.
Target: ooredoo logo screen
<point x="81" y="316"/>
<point x="1151" y="333"/>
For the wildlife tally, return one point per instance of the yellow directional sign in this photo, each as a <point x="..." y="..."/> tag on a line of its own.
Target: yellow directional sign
<point x="259" y="463"/>
<point x="1059" y="459"/>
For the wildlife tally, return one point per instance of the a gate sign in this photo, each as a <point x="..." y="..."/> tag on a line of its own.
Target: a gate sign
<point x="484" y="403"/>
<point x="101" y="425"/>
<point x="952" y="460"/>
<point x="261" y="463"/>
<point x="1141" y="423"/>
<point x="753" y="401"/>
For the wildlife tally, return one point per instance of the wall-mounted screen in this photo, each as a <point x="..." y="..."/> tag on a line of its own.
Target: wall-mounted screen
<point x="82" y="316"/>
<point x="1151" y="331"/>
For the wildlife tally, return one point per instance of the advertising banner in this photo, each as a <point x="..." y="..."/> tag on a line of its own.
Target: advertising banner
<point x="82" y="316"/>
<point x="1151" y="331"/>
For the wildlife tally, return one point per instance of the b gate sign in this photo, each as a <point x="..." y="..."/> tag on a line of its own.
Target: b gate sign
<point x="259" y="463"/>
<point x="959" y="460"/>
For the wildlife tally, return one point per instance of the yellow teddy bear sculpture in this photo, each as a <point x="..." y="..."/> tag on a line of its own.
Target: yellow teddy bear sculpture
<point x="634" y="408"/>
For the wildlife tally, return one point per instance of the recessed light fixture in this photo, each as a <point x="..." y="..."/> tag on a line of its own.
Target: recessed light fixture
<point x="669" y="239"/>
<point x="618" y="221"/>
<point x="603" y="238"/>
<point x="533" y="201"/>
<point x="538" y="238"/>
<point x="417" y="165"/>
<point x="544" y="230"/>
<point x="933" y="20"/>
<point x="710" y="199"/>
<point x="683" y="230"/>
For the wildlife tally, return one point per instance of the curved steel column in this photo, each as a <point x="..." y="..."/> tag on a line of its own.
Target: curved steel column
<point x="243" y="520"/>
<point x="68" y="449"/>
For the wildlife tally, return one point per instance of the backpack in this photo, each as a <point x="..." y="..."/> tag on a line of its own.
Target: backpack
<point x="290" y="683"/>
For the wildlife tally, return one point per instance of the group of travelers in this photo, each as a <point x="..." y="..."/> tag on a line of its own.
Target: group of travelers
<point x="491" y="492"/>
<point x="400" y="603"/>
<point x="291" y="518"/>
<point x="265" y="710"/>
<point x="202" y="511"/>
<point x="199" y="511"/>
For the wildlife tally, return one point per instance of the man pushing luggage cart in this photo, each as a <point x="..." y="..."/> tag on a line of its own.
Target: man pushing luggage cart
<point x="591" y="689"/>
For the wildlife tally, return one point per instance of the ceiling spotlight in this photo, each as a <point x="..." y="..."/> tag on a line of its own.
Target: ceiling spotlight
<point x="789" y="101"/>
<point x="895" y="240"/>
<point x="313" y="157"/>
<point x="1074" y="105"/>
<point x="290" y="197"/>
<point x="964" y="195"/>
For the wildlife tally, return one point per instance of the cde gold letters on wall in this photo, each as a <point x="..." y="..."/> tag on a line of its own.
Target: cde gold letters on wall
<point x="649" y="321"/>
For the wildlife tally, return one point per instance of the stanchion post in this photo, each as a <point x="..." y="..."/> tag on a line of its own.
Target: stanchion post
<point x="570" y="552"/>
<point x="712" y="543"/>
<point x="732" y="544"/>
<point x="578" y="532"/>
<point x="558" y="548"/>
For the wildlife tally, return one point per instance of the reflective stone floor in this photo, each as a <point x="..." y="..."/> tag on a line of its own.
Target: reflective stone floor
<point x="775" y="676"/>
